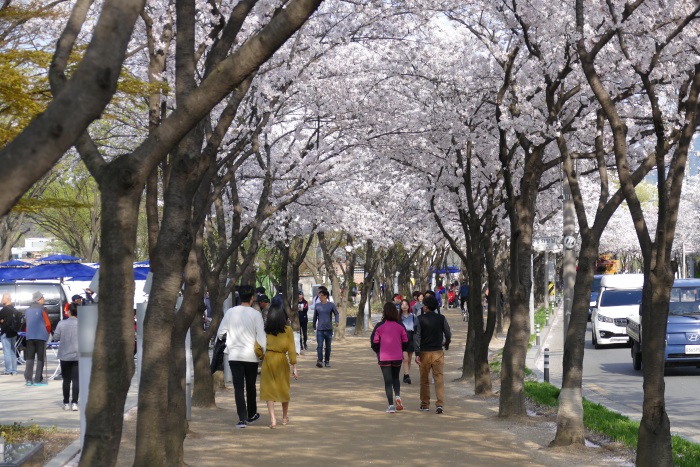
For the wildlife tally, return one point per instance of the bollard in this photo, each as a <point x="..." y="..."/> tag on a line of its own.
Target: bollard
<point x="546" y="364"/>
<point x="537" y="334"/>
<point x="546" y="317"/>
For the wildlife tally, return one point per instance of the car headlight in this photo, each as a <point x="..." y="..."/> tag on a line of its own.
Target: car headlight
<point x="605" y="319"/>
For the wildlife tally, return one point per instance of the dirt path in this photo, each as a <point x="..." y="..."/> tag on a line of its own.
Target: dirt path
<point x="338" y="415"/>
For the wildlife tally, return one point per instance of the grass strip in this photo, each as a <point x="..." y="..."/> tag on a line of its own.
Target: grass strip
<point x="18" y="433"/>
<point x="613" y="425"/>
<point x="541" y="319"/>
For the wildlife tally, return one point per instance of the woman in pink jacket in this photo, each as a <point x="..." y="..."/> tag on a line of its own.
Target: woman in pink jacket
<point x="389" y="341"/>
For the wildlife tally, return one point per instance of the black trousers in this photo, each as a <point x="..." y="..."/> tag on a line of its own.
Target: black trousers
<point x="303" y="325"/>
<point x="69" y="372"/>
<point x="244" y="375"/>
<point x="391" y="381"/>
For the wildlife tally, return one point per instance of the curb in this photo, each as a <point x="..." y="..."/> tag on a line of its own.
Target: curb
<point x="533" y="354"/>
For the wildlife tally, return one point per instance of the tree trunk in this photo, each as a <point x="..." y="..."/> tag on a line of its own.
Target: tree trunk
<point x="188" y="316"/>
<point x="113" y="357"/>
<point x="370" y="268"/>
<point x="203" y="386"/>
<point x="570" y="427"/>
<point x="173" y="248"/>
<point x="482" y="370"/>
<point x="512" y="397"/>
<point x="176" y="414"/>
<point x="654" y="442"/>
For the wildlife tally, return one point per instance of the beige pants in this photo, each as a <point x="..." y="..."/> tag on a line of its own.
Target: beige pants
<point x="432" y="361"/>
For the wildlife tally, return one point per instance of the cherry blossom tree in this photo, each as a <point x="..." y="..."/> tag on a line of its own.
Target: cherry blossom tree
<point x="662" y="58"/>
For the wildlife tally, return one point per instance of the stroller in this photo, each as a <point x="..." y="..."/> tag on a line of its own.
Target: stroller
<point x="452" y="299"/>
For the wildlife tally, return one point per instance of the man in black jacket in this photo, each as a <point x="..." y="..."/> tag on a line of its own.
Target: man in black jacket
<point x="431" y="328"/>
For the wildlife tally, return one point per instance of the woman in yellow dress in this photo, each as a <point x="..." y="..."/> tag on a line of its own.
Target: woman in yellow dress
<point x="274" y="377"/>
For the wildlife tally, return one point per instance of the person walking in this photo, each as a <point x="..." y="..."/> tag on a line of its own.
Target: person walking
<point x="463" y="295"/>
<point x="264" y="304"/>
<point x="303" y="307"/>
<point x="408" y="320"/>
<point x="323" y="325"/>
<point x="431" y="328"/>
<point x="66" y="334"/>
<point x="38" y="330"/>
<point x="430" y="293"/>
<point x="9" y="335"/>
<point x="243" y="326"/>
<point x="417" y="308"/>
<point x="390" y="341"/>
<point x="280" y="353"/>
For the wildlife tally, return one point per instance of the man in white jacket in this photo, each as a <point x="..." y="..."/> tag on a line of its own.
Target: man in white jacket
<point x="243" y="326"/>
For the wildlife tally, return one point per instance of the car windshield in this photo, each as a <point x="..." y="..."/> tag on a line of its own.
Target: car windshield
<point x="621" y="298"/>
<point x="684" y="301"/>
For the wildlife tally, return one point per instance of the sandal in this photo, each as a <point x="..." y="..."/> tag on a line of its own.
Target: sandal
<point x="273" y="426"/>
<point x="285" y="420"/>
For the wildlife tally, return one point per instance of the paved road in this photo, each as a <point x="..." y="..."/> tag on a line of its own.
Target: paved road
<point x="610" y="380"/>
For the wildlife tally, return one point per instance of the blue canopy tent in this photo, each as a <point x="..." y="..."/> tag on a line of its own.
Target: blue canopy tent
<point x="141" y="270"/>
<point x="9" y="269"/>
<point x="450" y="270"/>
<point x="75" y="271"/>
<point x="58" y="259"/>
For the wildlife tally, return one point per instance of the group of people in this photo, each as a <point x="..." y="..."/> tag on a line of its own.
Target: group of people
<point x="406" y="329"/>
<point x="37" y="332"/>
<point x="250" y="338"/>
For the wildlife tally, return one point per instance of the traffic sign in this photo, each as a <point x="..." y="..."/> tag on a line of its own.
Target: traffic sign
<point x="546" y="243"/>
<point x="569" y="242"/>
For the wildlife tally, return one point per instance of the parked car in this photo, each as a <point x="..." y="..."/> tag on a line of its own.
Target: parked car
<point x="595" y="290"/>
<point x="620" y="296"/>
<point x="21" y="293"/>
<point x="682" y="330"/>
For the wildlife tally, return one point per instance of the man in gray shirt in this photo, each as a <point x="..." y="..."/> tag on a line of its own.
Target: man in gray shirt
<point x="323" y="324"/>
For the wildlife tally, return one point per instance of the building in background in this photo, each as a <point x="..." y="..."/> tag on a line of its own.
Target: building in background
<point x="34" y="247"/>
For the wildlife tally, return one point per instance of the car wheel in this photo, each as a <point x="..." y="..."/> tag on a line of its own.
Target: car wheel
<point x="636" y="357"/>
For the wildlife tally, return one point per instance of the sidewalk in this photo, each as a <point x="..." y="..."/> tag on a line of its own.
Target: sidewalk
<point x="338" y="416"/>
<point x="43" y="406"/>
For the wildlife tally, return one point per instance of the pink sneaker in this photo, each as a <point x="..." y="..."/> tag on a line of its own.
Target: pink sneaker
<point x="399" y="405"/>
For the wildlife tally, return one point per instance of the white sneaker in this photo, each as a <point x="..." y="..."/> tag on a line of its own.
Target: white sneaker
<point x="74" y="407"/>
<point x="391" y="409"/>
<point x="66" y="406"/>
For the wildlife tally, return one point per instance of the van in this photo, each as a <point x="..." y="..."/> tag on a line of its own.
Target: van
<point x="620" y="296"/>
<point x="22" y="291"/>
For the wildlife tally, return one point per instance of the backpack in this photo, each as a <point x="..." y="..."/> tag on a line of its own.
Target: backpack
<point x="16" y="323"/>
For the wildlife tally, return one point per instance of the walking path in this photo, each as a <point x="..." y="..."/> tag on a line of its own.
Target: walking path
<point x="338" y="415"/>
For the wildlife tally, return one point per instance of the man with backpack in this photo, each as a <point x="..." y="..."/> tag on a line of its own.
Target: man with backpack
<point x="10" y="325"/>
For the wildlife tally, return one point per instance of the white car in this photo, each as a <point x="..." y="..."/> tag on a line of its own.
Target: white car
<point x="620" y="296"/>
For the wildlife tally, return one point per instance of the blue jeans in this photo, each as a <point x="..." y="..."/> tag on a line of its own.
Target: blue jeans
<point x="324" y="336"/>
<point x="8" y="351"/>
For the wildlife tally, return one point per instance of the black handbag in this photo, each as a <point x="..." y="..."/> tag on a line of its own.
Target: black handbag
<point x="217" y="358"/>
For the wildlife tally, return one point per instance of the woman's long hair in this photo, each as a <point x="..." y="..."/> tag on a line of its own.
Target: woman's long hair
<point x="276" y="320"/>
<point x="390" y="313"/>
